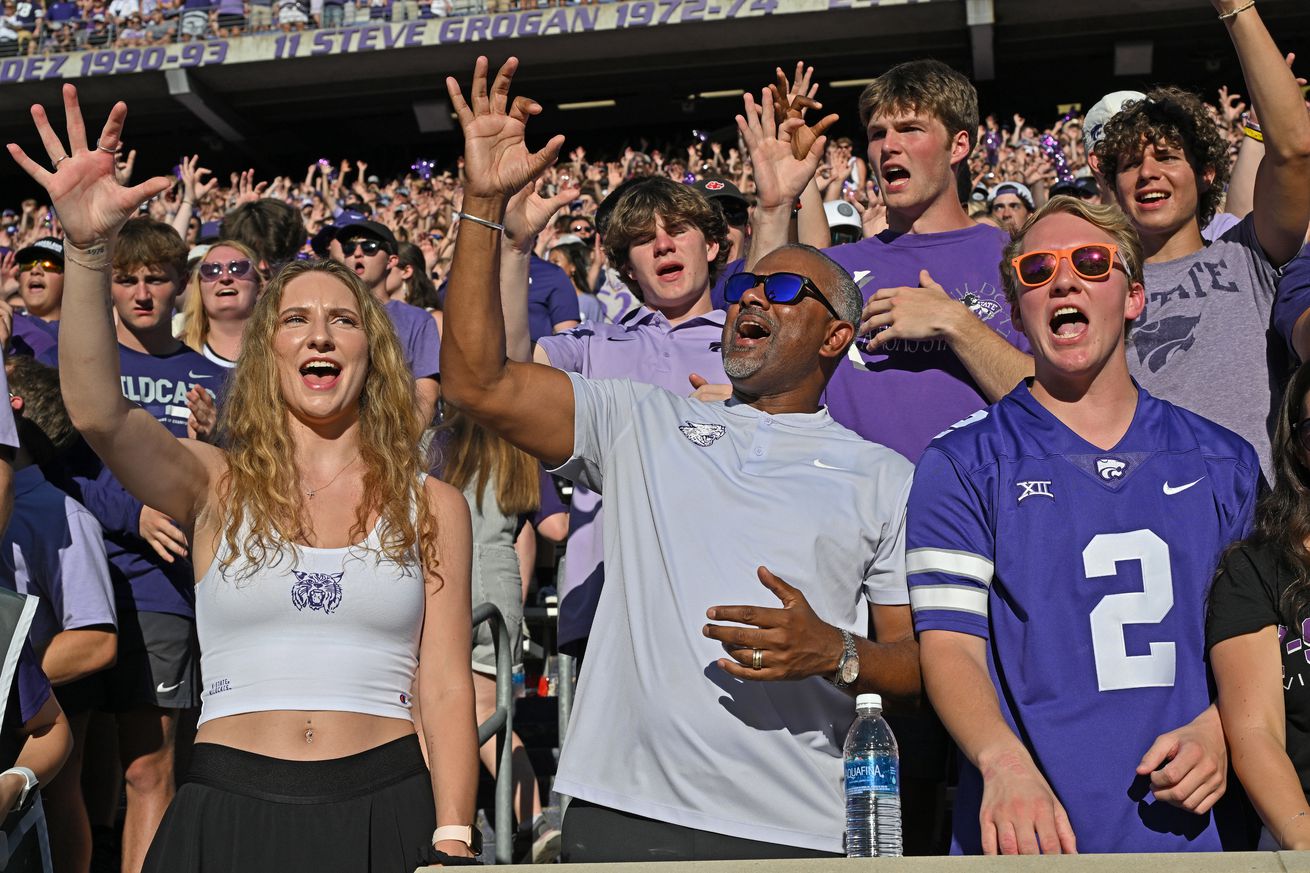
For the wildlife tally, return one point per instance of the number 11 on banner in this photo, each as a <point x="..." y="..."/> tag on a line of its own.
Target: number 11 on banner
<point x="286" y="46"/>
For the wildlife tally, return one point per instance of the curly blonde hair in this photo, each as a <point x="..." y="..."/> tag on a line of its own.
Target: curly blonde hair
<point x="261" y="487"/>
<point x="195" y="327"/>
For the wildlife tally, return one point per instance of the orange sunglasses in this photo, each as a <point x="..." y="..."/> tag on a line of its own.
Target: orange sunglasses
<point x="1092" y="261"/>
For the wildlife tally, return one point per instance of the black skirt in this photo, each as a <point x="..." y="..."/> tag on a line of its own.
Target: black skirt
<point x="238" y="811"/>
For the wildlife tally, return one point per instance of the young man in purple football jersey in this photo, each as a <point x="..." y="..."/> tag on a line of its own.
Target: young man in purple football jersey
<point x="156" y="675"/>
<point x="1059" y="547"/>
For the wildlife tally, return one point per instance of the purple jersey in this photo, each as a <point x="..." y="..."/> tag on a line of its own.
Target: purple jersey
<point x="32" y="336"/>
<point x="551" y="298"/>
<point x="418" y="336"/>
<point x="909" y="390"/>
<point x="1087" y="572"/>
<point x="729" y="270"/>
<point x="1293" y="297"/>
<point x="158" y="383"/>
<point x="644" y="347"/>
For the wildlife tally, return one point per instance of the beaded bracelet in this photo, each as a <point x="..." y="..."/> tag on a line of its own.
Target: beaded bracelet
<point x="1224" y="16"/>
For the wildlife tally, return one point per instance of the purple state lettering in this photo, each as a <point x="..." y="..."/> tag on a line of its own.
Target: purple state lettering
<point x="584" y="19"/>
<point x="322" y="44"/>
<point x="529" y="23"/>
<point x="366" y="36"/>
<point x="559" y="20"/>
<point x="347" y="36"/>
<point x="11" y="70"/>
<point x="32" y="70"/>
<point x="452" y="30"/>
<point x="502" y="26"/>
<point x="477" y="28"/>
<point x="57" y="69"/>
<point x="414" y="32"/>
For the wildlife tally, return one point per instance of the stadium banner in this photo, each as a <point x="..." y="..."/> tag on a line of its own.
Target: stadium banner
<point x="372" y="36"/>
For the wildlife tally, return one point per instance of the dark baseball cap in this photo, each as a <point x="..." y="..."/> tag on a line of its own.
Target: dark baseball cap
<point x="46" y="248"/>
<point x="366" y="228"/>
<point x="714" y="187"/>
<point x="1082" y="186"/>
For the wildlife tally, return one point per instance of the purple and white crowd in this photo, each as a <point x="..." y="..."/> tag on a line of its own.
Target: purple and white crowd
<point x="1008" y="426"/>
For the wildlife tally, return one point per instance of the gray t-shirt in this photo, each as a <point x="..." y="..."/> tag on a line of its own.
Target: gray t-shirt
<point x="1203" y="341"/>
<point x="697" y="496"/>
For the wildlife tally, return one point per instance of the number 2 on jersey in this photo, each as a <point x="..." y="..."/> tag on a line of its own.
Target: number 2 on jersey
<point x="1115" y="668"/>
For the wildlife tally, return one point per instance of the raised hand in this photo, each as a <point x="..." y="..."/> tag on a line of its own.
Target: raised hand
<point x="123" y="169"/>
<point x="791" y="100"/>
<point x="528" y="213"/>
<point x="780" y="176"/>
<point x="496" y="158"/>
<point x="192" y="188"/>
<point x="247" y="190"/>
<point x="82" y="186"/>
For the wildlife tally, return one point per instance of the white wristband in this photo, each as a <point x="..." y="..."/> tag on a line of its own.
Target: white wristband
<point x="459" y="833"/>
<point x="29" y="784"/>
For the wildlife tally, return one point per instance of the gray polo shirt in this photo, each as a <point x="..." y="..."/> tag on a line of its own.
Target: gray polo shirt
<point x="697" y="496"/>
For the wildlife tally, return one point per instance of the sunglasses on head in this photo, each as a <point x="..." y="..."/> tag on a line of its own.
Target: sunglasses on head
<point x="1093" y="261"/>
<point x="212" y="271"/>
<point x="47" y="266"/>
<point x="785" y="288"/>
<point x="367" y="246"/>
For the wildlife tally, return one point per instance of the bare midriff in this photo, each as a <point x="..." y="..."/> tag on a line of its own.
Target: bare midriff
<point x="303" y="735"/>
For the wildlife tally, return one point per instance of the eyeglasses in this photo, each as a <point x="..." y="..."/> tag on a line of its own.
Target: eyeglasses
<point x="367" y="246"/>
<point x="1093" y="261"/>
<point x="736" y="215"/>
<point x="581" y="228"/>
<point x="46" y="266"/>
<point x="212" y="271"/>
<point x="785" y="288"/>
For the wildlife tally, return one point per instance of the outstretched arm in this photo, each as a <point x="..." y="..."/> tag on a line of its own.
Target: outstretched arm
<point x="157" y="468"/>
<point x="529" y="405"/>
<point x="1282" y="186"/>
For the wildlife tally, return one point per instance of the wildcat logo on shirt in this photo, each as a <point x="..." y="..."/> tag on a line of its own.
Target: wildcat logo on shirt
<point x="1109" y="468"/>
<point x="320" y="591"/>
<point x="1158" y="341"/>
<point x="702" y="435"/>
<point x="984" y="309"/>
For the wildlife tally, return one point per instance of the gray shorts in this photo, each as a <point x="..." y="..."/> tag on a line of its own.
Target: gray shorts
<point x="496" y="580"/>
<point x="158" y="663"/>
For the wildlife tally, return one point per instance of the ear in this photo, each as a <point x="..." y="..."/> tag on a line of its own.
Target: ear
<point x="16" y="404"/>
<point x="1016" y="319"/>
<point x="711" y="251"/>
<point x="840" y="335"/>
<point x="392" y="261"/>
<point x="1205" y="179"/>
<point x="960" y="149"/>
<point x="1136" y="301"/>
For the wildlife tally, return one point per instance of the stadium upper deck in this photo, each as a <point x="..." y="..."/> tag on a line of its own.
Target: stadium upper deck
<point x="272" y="98"/>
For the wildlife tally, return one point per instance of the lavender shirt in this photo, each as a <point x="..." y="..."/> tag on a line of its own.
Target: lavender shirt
<point x="644" y="347"/>
<point x="418" y="337"/>
<point x="910" y="391"/>
<point x="8" y="430"/>
<point x="54" y="549"/>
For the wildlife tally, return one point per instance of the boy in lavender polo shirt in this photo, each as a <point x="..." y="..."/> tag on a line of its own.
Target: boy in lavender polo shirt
<point x="369" y="248"/>
<point x="54" y="549"/>
<point x="667" y="241"/>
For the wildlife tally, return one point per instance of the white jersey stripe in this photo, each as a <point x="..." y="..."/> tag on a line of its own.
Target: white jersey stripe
<point x="965" y="564"/>
<point x="957" y="598"/>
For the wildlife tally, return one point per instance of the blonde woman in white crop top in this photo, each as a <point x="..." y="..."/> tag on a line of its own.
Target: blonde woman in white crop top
<point x="329" y="571"/>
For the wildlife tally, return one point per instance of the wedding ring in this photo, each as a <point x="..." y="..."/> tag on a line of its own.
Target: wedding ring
<point x="55" y="165"/>
<point x="757" y="659"/>
<point x="101" y="147"/>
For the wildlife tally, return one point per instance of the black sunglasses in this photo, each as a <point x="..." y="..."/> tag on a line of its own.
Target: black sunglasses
<point x="367" y="246"/>
<point x="1301" y="430"/>
<point x="784" y="288"/>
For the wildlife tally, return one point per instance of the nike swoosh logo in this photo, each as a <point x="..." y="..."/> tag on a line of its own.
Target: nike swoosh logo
<point x="164" y="689"/>
<point x="1169" y="489"/>
<point x="190" y="374"/>
<point x="823" y="466"/>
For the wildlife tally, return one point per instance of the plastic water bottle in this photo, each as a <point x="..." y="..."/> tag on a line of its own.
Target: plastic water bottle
<point x="873" y="784"/>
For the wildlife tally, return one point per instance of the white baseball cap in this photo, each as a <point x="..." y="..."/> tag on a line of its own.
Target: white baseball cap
<point x="1099" y="115"/>
<point x="841" y="214"/>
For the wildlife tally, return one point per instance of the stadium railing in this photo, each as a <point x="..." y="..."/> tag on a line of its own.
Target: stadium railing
<point x="501" y="726"/>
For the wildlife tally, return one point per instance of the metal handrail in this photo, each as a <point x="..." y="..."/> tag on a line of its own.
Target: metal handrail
<point x="501" y="725"/>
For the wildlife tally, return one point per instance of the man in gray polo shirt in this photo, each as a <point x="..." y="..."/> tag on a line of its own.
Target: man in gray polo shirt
<point x="763" y="502"/>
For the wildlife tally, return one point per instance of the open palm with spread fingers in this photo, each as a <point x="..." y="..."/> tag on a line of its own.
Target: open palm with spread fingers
<point x="497" y="161"/>
<point x="780" y="176"/>
<point x="82" y="185"/>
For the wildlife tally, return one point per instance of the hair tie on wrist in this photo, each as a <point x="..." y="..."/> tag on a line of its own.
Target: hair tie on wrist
<point x="1224" y="16"/>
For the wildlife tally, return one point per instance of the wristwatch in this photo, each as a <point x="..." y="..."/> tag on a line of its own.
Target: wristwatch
<point x="469" y="836"/>
<point x="30" y="782"/>
<point x="848" y="668"/>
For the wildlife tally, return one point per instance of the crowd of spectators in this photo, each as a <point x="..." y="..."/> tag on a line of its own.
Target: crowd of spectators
<point x="29" y="27"/>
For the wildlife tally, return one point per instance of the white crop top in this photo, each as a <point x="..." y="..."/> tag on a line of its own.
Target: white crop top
<point x="323" y="629"/>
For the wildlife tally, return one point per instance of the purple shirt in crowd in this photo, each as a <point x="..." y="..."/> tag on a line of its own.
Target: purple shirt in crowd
<point x="143" y="582"/>
<point x="8" y="430"/>
<point x="418" y="336"/>
<point x="551" y="298"/>
<point x="54" y="549"/>
<point x="644" y="347"/>
<point x="910" y="391"/>
<point x="33" y="336"/>
<point x="1293" y="297"/>
<point x="729" y="270"/>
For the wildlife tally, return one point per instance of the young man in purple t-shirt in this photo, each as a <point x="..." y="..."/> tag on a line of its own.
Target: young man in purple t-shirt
<point x="369" y="248"/>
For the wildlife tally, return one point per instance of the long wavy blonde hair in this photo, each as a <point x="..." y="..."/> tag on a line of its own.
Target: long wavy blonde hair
<point x="195" y="328"/>
<point x="262" y="489"/>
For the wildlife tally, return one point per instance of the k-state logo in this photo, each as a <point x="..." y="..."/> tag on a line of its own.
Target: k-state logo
<point x="984" y="309"/>
<point x="1034" y="488"/>
<point x="1109" y="468"/>
<point x="320" y="591"/>
<point x="702" y="435"/>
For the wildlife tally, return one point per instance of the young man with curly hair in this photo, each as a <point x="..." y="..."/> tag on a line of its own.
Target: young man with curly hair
<point x="1202" y="340"/>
